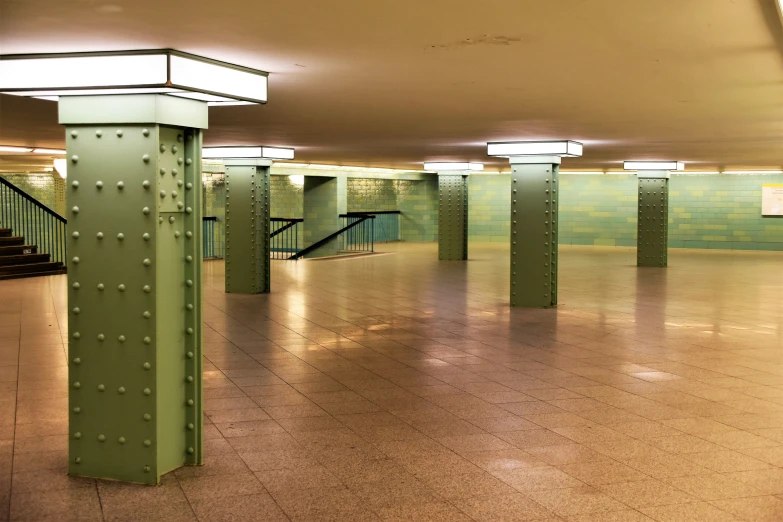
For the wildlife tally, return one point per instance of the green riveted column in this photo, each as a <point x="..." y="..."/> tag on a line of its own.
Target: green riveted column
<point x="452" y="216"/>
<point x="534" y="232"/>
<point x="653" y="219"/>
<point x="134" y="277"/>
<point x="247" y="226"/>
<point x="325" y="198"/>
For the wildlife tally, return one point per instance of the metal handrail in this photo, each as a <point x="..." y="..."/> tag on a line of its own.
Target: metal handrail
<point x="360" y="213"/>
<point x="283" y="237"/>
<point x="330" y="237"/>
<point x="37" y="223"/>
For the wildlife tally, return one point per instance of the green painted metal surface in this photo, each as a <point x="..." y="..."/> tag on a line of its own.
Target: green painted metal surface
<point x="534" y="235"/>
<point x="653" y="222"/>
<point x="324" y="200"/>
<point x="452" y="217"/>
<point x="134" y="275"/>
<point x="247" y="229"/>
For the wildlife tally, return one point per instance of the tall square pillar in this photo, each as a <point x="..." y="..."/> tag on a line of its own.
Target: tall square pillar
<point x="247" y="226"/>
<point x="534" y="231"/>
<point x="653" y="219"/>
<point x="325" y="198"/>
<point x="452" y="216"/>
<point x="134" y="278"/>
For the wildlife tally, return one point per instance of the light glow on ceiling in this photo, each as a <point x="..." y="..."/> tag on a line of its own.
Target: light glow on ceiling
<point x="565" y="148"/>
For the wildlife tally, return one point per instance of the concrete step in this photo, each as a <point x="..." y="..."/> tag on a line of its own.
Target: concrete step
<point x="31" y="270"/>
<point x="23" y="259"/>
<point x="11" y="240"/>
<point x="16" y="250"/>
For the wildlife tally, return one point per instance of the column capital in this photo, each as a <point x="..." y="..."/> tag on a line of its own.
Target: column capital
<point x="133" y="108"/>
<point x="535" y="160"/>
<point x="654" y="174"/>
<point x="247" y="162"/>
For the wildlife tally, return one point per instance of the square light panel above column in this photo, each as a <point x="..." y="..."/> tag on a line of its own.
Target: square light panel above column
<point x="159" y="71"/>
<point x="653" y="165"/>
<point x="443" y="166"/>
<point x="565" y="148"/>
<point x="273" y="153"/>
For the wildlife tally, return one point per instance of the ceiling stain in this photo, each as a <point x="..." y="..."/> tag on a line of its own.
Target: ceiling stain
<point x="485" y="39"/>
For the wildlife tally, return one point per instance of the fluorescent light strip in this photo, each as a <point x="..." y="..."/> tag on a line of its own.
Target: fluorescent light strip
<point x="315" y="166"/>
<point x="444" y="166"/>
<point x="83" y="71"/>
<point x="276" y="153"/>
<point x="59" y="152"/>
<point x="207" y="76"/>
<point x="653" y="165"/>
<point x="9" y="148"/>
<point x="231" y="152"/>
<point x="161" y="71"/>
<point x="535" y="148"/>
<point x="750" y="172"/>
<point x="283" y="153"/>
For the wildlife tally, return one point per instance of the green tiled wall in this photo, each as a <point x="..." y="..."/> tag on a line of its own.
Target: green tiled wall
<point x="489" y="207"/>
<point x="418" y="202"/>
<point x="39" y="186"/>
<point x="722" y="212"/>
<point x="416" y="199"/>
<point x="598" y="210"/>
<point x="287" y="197"/>
<point x="712" y="211"/>
<point x="365" y="195"/>
<point x="324" y="200"/>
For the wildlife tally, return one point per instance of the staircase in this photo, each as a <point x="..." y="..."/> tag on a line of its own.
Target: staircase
<point x="19" y="260"/>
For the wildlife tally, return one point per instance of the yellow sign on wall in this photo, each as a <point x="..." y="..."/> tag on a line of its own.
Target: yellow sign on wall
<point x="772" y="200"/>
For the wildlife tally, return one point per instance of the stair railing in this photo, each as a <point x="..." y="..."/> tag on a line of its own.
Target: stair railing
<point x="386" y="226"/>
<point x="37" y="223"/>
<point x="284" y="237"/>
<point x="362" y="240"/>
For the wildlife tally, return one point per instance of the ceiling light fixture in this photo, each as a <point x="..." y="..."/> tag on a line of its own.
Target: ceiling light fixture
<point x="157" y="71"/>
<point x="9" y="148"/>
<point x="564" y="148"/>
<point x="443" y="166"/>
<point x="274" y="153"/>
<point x="654" y="165"/>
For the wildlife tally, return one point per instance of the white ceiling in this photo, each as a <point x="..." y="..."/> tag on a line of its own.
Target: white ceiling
<point x="395" y="83"/>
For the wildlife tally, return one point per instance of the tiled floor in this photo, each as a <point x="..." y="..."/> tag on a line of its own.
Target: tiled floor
<point x="397" y="387"/>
